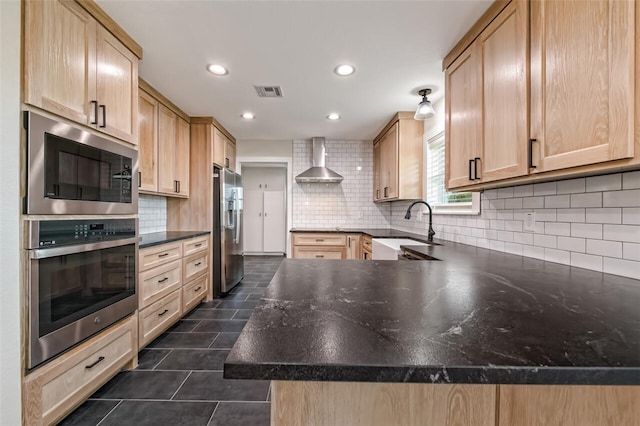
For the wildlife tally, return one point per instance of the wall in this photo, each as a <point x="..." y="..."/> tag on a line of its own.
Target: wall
<point x="10" y="367"/>
<point x="264" y="148"/>
<point x="591" y="223"/>
<point x="347" y="204"/>
<point x="153" y="213"/>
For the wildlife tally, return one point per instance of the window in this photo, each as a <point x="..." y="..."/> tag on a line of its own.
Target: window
<point x="444" y="202"/>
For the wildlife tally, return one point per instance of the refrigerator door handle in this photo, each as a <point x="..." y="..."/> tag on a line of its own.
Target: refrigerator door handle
<point x="236" y="203"/>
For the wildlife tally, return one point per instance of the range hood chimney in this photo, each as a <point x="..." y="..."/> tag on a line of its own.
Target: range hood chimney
<point x="318" y="173"/>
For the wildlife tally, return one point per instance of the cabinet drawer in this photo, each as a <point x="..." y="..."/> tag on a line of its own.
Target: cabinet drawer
<point x="319" y="253"/>
<point x="194" y="292"/>
<point x="158" y="282"/>
<point x="319" y="239"/>
<point x="159" y="255"/>
<point x="194" y="265"/>
<point x="366" y="243"/>
<point x="195" y="245"/>
<point x="159" y="316"/>
<point x="53" y="390"/>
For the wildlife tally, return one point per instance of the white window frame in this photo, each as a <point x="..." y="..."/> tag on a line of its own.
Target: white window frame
<point x="472" y="208"/>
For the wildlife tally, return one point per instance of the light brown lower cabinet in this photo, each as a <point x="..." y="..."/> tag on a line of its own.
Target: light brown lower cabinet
<point x="174" y="278"/>
<point x="366" y="250"/>
<point x="312" y="245"/>
<point x="55" y="389"/>
<point x="413" y="404"/>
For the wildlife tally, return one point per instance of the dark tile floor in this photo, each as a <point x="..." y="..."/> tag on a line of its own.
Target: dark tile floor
<point x="179" y="376"/>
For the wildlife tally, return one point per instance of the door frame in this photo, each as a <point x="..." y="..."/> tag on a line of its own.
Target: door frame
<point x="282" y="162"/>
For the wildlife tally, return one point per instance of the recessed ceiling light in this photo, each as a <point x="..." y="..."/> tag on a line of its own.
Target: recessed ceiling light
<point x="344" y="70"/>
<point x="217" y="69"/>
<point x="248" y="116"/>
<point x="333" y="116"/>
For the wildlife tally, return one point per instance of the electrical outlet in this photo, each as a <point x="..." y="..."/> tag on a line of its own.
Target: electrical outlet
<point x="529" y="224"/>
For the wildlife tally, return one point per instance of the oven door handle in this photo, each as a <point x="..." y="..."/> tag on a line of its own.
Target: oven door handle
<point x="44" y="253"/>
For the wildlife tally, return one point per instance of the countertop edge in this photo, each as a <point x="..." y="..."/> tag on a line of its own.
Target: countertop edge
<point x="164" y="239"/>
<point x="498" y="375"/>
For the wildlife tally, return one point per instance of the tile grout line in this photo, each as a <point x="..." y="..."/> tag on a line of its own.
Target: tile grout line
<point x="180" y="387"/>
<point x="163" y="358"/>
<point x="110" y="411"/>
<point x="213" y="341"/>
<point x="214" y="412"/>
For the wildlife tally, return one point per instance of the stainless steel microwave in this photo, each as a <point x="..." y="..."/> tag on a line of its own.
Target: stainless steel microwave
<point x="71" y="171"/>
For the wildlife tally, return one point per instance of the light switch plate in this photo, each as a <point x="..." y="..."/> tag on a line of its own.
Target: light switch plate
<point x="529" y="224"/>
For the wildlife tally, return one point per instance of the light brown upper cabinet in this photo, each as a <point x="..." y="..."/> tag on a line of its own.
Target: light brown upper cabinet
<point x="582" y="82"/>
<point x="148" y="141"/>
<point x="224" y="150"/>
<point x="486" y="103"/>
<point x="165" y="142"/>
<point x="75" y="68"/>
<point x="397" y="159"/>
<point x="543" y="89"/>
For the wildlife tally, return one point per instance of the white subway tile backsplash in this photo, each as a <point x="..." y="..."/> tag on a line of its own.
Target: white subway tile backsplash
<point x="152" y="213"/>
<point x="557" y="256"/>
<point x="561" y="233"/>
<point x="533" y="203"/>
<point x="570" y="215"/>
<point x="604" y="248"/>
<point x="606" y="215"/>
<point x="557" y="228"/>
<point x="586" y="230"/>
<point x="604" y="183"/>
<point x="628" y="233"/>
<point x="557" y="201"/>
<point x="586" y="261"/>
<point x="631" y="251"/>
<point x="547" y="188"/>
<point x="626" y="198"/>
<point x="631" y="180"/>
<point x="631" y="216"/>
<point x="571" y="186"/>
<point x="572" y="244"/>
<point x="628" y="268"/>
<point x="593" y="199"/>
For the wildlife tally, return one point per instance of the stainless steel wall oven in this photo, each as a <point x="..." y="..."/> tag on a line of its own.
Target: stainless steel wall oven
<point x="72" y="171"/>
<point x="82" y="278"/>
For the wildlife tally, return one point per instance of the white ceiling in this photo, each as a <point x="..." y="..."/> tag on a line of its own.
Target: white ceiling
<point x="396" y="46"/>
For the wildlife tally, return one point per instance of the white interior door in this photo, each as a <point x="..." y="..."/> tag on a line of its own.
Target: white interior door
<point x="252" y="221"/>
<point x="274" y="222"/>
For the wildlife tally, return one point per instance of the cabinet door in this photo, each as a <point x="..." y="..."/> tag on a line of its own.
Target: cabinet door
<point x="503" y="46"/>
<point x="117" y="88"/>
<point x="167" y="121"/>
<point x="353" y="246"/>
<point x="463" y="117"/>
<point x="59" y="55"/>
<point x="183" y="145"/>
<point x="252" y="220"/>
<point x="219" y="143"/>
<point x="377" y="193"/>
<point x="148" y="142"/>
<point x="230" y="155"/>
<point x="582" y="82"/>
<point x="274" y="222"/>
<point x="389" y="164"/>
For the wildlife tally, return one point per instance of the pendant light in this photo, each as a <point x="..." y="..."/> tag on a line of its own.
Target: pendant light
<point x="425" y="110"/>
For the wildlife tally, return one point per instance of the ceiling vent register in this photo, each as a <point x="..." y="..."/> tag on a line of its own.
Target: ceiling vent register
<point x="269" y="91"/>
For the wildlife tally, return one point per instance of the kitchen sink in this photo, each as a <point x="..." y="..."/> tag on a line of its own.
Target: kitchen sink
<point x="389" y="248"/>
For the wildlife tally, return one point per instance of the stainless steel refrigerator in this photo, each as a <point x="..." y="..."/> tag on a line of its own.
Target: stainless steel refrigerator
<point x="227" y="218"/>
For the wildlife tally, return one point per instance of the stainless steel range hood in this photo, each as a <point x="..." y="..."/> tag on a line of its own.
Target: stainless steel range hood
<point x="318" y="173"/>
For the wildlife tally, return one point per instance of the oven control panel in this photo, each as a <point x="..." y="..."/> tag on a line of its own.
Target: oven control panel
<point x="52" y="233"/>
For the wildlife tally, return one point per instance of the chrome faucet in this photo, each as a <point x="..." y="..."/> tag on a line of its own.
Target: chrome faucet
<point x="431" y="231"/>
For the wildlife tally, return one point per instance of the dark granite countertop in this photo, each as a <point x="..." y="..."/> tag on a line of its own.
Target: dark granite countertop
<point x="477" y="316"/>
<point x="372" y="232"/>
<point x="157" y="238"/>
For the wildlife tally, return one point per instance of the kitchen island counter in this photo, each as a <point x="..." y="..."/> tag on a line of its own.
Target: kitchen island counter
<point x="477" y="316"/>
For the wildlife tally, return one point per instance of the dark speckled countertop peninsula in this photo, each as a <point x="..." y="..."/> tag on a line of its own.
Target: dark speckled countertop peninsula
<point x="157" y="238"/>
<point x="477" y="316"/>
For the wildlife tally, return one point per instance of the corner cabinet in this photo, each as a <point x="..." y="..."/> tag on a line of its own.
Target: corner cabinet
<point x="524" y="102"/>
<point x="164" y="145"/>
<point x="75" y="68"/>
<point x="224" y="150"/>
<point x="397" y="159"/>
